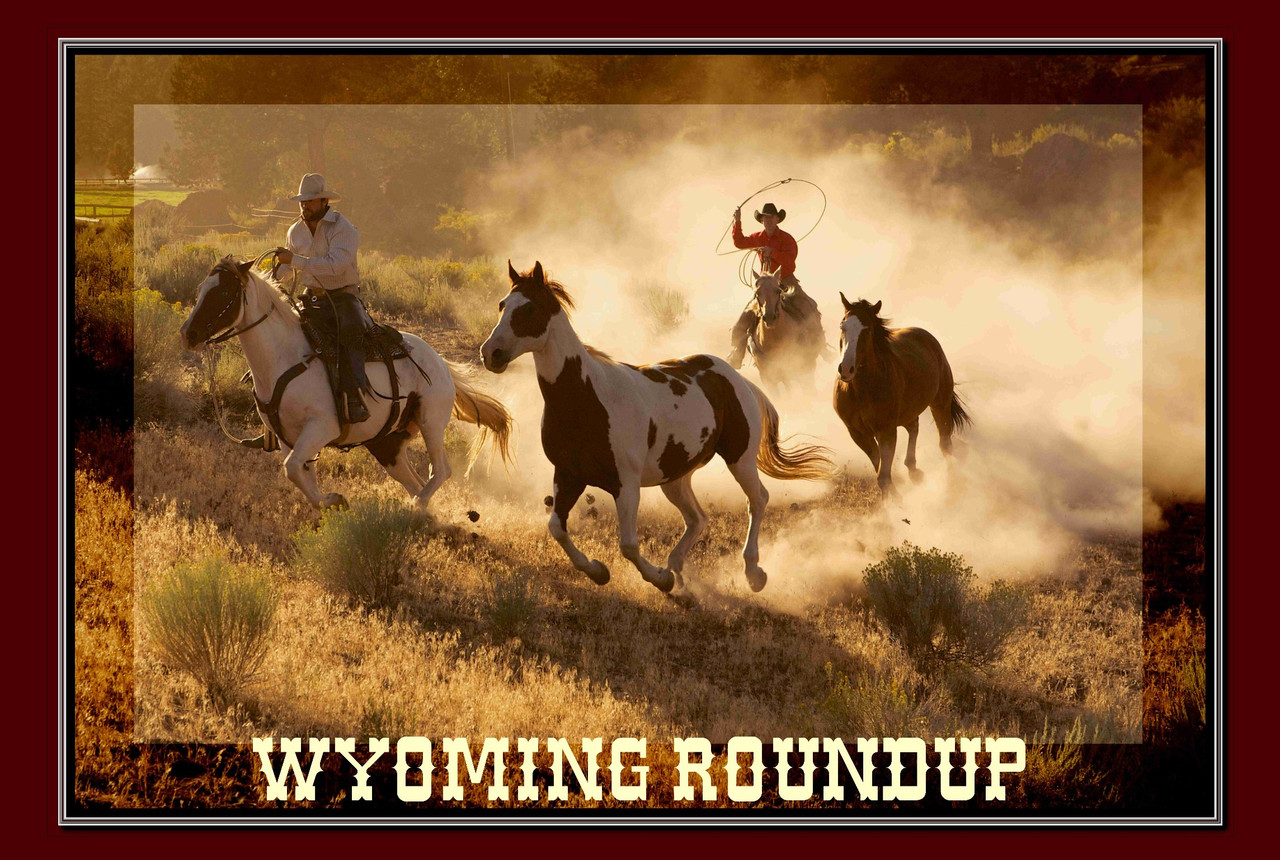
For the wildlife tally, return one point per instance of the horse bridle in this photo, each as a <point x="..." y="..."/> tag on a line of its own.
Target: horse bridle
<point x="232" y="331"/>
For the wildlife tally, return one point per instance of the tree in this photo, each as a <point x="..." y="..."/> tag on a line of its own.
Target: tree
<point x="106" y="89"/>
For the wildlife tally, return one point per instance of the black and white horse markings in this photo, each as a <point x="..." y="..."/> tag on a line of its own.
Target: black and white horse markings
<point x="620" y="427"/>
<point x="234" y="298"/>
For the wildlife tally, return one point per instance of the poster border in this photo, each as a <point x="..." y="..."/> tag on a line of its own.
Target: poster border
<point x="1215" y="461"/>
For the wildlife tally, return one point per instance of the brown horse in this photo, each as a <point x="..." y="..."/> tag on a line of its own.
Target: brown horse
<point x="787" y="339"/>
<point x="887" y="378"/>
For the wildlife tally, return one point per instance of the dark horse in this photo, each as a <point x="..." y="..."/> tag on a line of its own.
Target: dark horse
<point x="887" y="378"/>
<point x="787" y="338"/>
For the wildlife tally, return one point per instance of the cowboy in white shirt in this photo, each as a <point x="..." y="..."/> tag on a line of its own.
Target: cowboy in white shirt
<point x="321" y="247"/>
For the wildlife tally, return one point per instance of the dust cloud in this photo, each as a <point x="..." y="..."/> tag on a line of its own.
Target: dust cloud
<point x="1048" y="333"/>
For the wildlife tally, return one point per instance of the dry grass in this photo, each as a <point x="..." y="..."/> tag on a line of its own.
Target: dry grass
<point x="104" y="636"/>
<point x="493" y="634"/>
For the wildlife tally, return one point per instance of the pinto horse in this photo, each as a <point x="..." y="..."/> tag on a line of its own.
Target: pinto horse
<point x="887" y="377"/>
<point x="295" y="399"/>
<point x="620" y="427"/>
<point x="787" y="339"/>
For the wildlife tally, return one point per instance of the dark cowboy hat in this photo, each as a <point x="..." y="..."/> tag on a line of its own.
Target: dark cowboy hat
<point x="770" y="209"/>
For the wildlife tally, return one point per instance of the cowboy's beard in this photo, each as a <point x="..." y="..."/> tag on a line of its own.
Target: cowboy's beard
<point x="313" y="214"/>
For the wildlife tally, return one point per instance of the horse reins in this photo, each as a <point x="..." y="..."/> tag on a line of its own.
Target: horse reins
<point x="272" y="408"/>
<point x="233" y="331"/>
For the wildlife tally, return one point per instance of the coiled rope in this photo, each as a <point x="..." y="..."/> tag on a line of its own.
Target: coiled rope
<point x="745" y="264"/>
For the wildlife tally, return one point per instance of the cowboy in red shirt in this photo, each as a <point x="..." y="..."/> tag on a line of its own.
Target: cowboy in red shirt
<point x="776" y="248"/>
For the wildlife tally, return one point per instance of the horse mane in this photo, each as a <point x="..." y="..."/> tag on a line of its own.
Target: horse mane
<point x="560" y="293"/>
<point x="276" y="292"/>
<point x="599" y="354"/>
<point x="879" y="325"/>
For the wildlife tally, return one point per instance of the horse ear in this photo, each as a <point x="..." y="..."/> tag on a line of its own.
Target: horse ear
<point x="876" y="309"/>
<point x="845" y="302"/>
<point x="243" y="268"/>
<point x="511" y="272"/>
<point x="537" y="272"/>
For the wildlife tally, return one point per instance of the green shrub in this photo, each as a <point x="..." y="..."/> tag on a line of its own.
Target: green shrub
<point x="222" y="367"/>
<point x="175" y="271"/>
<point x="104" y="257"/>
<point x="362" y="552"/>
<point x="512" y="601"/>
<point x="155" y="225"/>
<point x="213" y="621"/>
<point x="928" y="601"/>
<point x="103" y="323"/>
<point x="156" y="344"/>
<point x="407" y="287"/>
<point x="460" y="227"/>
<point x="929" y="144"/>
<point x="1062" y="775"/>
<point x="873" y="707"/>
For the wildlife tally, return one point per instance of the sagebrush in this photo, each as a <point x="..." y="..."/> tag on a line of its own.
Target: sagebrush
<point x="362" y="552"/>
<point x="928" y="600"/>
<point x="213" y="621"/>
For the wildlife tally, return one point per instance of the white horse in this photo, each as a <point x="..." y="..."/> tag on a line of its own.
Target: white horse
<point x="294" y="396"/>
<point x="620" y="427"/>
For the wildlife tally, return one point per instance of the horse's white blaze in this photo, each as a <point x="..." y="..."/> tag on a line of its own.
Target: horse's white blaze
<point x="504" y="339"/>
<point x="205" y="285"/>
<point x="852" y="328"/>
<point x="307" y="414"/>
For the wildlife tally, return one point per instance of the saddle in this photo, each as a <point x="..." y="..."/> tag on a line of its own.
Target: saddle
<point x="319" y="325"/>
<point x="798" y="305"/>
<point x="380" y="342"/>
<point x="321" y="329"/>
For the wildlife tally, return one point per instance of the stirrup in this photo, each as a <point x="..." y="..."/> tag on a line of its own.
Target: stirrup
<point x="356" y="410"/>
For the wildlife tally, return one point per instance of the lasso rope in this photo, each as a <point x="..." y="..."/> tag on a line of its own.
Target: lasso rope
<point x="745" y="265"/>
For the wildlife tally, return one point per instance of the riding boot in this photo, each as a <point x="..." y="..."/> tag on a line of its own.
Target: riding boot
<point x="356" y="410"/>
<point x="353" y="321"/>
<point x="738" y="338"/>
<point x="353" y="381"/>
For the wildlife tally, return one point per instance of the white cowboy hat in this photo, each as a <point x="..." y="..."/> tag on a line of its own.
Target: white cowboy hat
<point x="312" y="187"/>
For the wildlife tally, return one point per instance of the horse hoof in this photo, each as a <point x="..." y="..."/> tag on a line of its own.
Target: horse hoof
<point x="664" y="580"/>
<point x="335" y="501"/>
<point x="757" y="579"/>
<point x="598" y="572"/>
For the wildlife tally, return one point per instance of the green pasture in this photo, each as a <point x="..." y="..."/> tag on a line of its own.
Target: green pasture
<point x="126" y="196"/>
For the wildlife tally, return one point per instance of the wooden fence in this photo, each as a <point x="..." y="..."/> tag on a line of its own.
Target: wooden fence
<point x="121" y="183"/>
<point x="98" y="211"/>
<point x="274" y="213"/>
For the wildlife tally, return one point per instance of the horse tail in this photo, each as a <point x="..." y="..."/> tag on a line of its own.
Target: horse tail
<point x="483" y="410"/>
<point x="801" y="462"/>
<point x="959" y="418"/>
